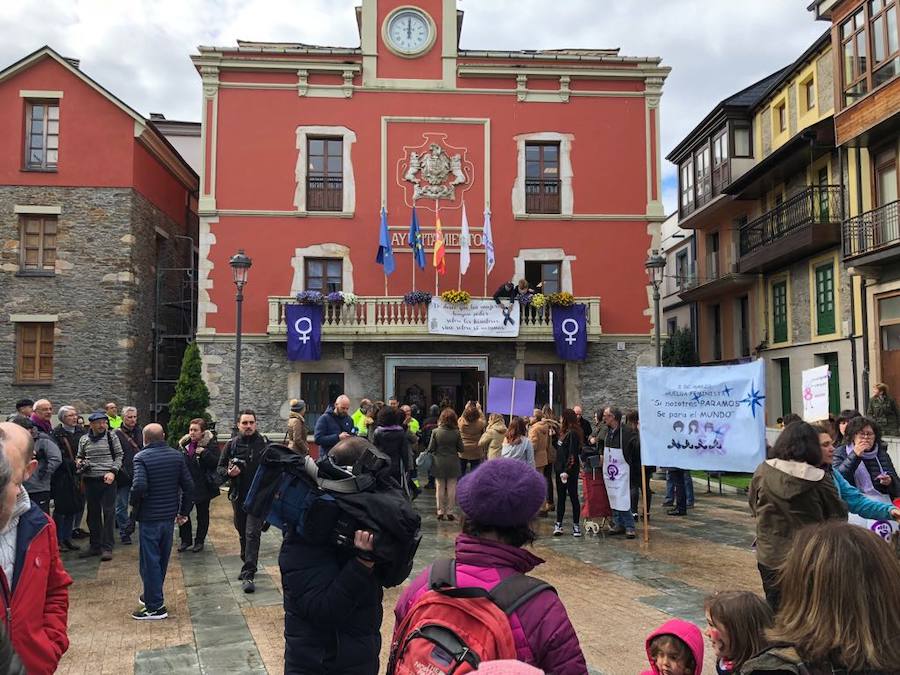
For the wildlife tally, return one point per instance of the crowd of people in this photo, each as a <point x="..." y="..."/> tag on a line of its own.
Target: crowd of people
<point x="497" y="476"/>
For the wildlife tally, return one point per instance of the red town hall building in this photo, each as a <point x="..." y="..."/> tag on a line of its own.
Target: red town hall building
<point x="304" y="144"/>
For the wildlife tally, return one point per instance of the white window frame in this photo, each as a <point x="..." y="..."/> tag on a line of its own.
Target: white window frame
<point x="566" y="195"/>
<point x="349" y="188"/>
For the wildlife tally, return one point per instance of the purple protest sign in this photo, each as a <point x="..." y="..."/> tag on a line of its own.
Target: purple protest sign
<point x="511" y="396"/>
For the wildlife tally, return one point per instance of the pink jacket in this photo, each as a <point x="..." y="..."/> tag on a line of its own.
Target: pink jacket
<point x="687" y="633"/>
<point x="543" y="634"/>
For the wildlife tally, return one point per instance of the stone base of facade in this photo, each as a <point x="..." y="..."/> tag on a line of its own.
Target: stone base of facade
<point x="362" y="370"/>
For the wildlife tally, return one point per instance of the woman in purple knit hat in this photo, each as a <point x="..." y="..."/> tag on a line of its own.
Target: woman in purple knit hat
<point x="499" y="502"/>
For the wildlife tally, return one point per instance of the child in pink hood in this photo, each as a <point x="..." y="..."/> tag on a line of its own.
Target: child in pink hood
<point x="675" y="648"/>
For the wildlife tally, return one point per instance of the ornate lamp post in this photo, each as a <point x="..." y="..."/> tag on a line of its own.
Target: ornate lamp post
<point x="655" y="266"/>
<point x="240" y="270"/>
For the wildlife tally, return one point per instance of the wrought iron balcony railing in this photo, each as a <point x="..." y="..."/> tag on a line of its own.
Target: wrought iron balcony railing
<point x="872" y="231"/>
<point x="814" y="205"/>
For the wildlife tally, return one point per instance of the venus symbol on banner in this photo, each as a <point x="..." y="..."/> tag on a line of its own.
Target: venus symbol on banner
<point x="570" y="328"/>
<point x="304" y="334"/>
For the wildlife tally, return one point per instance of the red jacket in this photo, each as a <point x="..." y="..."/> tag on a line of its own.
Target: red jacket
<point x="38" y="620"/>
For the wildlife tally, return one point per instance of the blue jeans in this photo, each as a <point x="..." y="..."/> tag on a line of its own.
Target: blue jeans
<point x="688" y="487"/>
<point x="123" y="492"/>
<point x="65" y="523"/>
<point x="623" y="519"/>
<point x="155" y="548"/>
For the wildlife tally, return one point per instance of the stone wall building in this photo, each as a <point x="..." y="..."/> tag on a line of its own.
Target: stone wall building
<point x="93" y="203"/>
<point x="302" y="147"/>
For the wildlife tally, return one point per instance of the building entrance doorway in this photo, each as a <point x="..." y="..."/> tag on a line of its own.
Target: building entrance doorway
<point x="430" y="379"/>
<point x="439" y="386"/>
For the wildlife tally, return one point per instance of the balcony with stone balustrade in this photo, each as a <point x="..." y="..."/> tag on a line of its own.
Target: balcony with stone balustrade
<point x="380" y="318"/>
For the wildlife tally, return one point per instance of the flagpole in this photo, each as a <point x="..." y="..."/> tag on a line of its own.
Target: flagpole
<point x="432" y="255"/>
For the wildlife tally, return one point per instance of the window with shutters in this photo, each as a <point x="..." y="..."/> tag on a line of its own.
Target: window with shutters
<point x="824" y="279"/>
<point x="37" y="244"/>
<point x="319" y="390"/>
<point x="34" y="352"/>
<point x="779" y="312"/>
<point x="41" y="135"/>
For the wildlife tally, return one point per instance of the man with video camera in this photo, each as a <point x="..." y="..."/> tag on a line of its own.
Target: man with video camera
<point x="238" y="463"/>
<point x="332" y="592"/>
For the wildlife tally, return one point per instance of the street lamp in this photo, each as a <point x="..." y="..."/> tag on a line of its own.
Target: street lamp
<point x="240" y="269"/>
<point x="655" y="265"/>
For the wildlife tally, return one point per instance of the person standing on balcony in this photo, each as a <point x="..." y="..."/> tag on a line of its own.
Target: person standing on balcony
<point x="883" y="409"/>
<point x="511" y="291"/>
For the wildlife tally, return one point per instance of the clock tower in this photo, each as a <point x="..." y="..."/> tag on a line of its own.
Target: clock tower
<point x="409" y="44"/>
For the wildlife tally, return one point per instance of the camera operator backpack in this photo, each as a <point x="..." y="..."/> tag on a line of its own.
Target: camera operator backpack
<point x="331" y="507"/>
<point x="453" y="630"/>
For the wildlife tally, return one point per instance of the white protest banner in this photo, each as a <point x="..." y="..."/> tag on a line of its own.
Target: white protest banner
<point x="815" y="394"/>
<point x="709" y="417"/>
<point x="483" y="318"/>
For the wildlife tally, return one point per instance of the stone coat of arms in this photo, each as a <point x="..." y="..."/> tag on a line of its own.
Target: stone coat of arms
<point x="435" y="174"/>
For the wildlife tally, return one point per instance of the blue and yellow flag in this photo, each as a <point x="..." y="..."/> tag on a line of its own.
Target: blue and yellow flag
<point x="415" y="241"/>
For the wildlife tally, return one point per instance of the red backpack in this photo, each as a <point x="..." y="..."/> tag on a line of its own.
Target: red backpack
<point x="452" y="630"/>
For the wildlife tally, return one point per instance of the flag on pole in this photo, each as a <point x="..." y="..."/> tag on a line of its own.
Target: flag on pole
<point x="385" y="256"/>
<point x="464" y="256"/>
<point x="488" y="242"/>
<point x="415" y="241"/>
<point x="439" y="260"/>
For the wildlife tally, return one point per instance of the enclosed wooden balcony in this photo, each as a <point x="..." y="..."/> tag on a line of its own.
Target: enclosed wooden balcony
<point x="805" y="224"/>
<point x="388" y="318"/>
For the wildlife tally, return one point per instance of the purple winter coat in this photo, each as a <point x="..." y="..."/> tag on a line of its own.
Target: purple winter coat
<point x="543" y="634"/>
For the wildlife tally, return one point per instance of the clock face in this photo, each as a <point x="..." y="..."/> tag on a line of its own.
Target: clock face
<point x="409" y="32"/>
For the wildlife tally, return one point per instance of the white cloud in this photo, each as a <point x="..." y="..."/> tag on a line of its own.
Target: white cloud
<point x="140" y="49"/>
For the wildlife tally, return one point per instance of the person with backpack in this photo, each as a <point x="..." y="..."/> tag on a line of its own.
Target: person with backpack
<point x="131" y="438"/>
<point x="65" y="485"/>
<point x="525" y="620"/>
<point x="99" y="459"/>
<point x="332" y="595"/>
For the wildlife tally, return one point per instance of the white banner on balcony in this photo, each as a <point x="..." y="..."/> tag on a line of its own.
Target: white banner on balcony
<point x="476" y="318"/>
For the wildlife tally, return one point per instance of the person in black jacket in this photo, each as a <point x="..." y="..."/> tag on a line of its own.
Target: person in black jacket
<point x="65" y="485"/>
<point x="131" y="439"/>
<point x="332" y="599"/>
<point x="864" y="461"/>
<point x="201" y="454"/>
<point x="239" y="461"/>
<point x="511" y="292"/>
<point x="161" y="492"/>
<point x="568" y="467"/>
<point x="391" y="437"/>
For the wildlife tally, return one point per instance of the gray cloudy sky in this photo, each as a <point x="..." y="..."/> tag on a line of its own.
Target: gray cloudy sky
<point x="139" y="49"/>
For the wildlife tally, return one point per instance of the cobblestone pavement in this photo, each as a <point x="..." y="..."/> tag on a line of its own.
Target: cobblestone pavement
<point x="616" y="591"/>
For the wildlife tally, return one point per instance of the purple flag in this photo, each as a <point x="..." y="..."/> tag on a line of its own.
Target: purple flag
<point x="304" y="331"/>
<point x="570" y="332"/>
<point x="511" y="397"/>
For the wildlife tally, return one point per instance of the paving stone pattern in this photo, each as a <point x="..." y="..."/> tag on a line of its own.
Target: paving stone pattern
<point x="615" y="591"/>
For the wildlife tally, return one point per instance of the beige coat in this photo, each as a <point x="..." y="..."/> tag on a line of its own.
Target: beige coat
<point x="539" y="435"/>
<point x="297" y="433"/>
<point x="491" y="440"/>
<point x="471" y="434"/>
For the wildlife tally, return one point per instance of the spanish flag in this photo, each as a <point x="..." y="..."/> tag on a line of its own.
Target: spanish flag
<point x="439" y="262"/>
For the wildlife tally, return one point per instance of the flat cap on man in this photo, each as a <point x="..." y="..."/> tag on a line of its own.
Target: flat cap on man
<point x="98" y="415"/>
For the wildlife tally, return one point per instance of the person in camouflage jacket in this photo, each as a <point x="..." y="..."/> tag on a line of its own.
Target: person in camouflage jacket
<point x="883" y="409"/>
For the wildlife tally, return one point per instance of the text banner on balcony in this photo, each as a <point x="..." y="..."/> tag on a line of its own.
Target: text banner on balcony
<point x="570" y="332"/>
<point x="476" y="318"/>
<point x="709" y="418"/>
<point x="304" y="332"/>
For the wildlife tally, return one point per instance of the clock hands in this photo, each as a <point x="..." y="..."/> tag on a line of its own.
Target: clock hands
<point x="409" y="29"/>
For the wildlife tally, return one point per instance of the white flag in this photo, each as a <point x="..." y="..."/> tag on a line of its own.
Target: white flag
<point x="464" y="257"/>
<point x="488" y="242"/>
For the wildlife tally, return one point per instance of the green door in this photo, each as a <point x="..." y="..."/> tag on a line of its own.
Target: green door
<point x="825" y="299"/>
<point x="784" y="366"/>
<point x="834" y="383"/>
